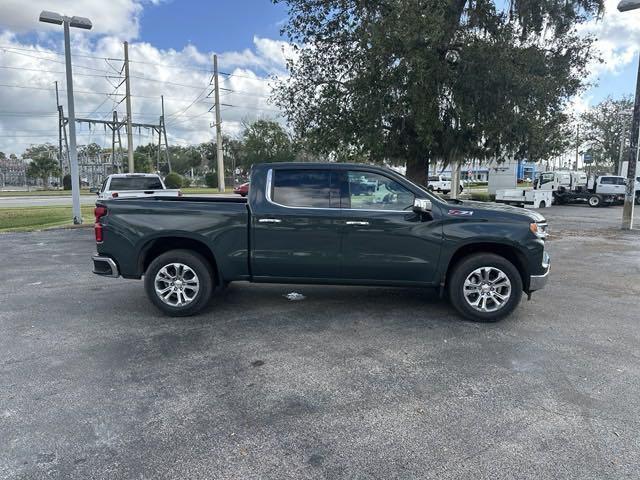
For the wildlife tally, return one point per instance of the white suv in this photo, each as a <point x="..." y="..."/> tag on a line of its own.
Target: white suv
<point x="441" y="184"/>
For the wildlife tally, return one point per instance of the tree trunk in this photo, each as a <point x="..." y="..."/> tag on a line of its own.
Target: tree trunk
<point x="416" y="171"/>
<point x="454" y="162"/>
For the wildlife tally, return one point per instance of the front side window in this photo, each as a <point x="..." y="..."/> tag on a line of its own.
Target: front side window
<point x="371" y="191"/>
<point x="546" y="178"/>
<point x="305" y="188"/>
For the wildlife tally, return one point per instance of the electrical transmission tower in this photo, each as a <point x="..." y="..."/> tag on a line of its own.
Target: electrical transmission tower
<point x="116" y="164"/>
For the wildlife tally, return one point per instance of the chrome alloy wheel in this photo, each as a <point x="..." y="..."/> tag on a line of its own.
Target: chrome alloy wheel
<point x="176" y="284"/>
<point x="487" y="289"/>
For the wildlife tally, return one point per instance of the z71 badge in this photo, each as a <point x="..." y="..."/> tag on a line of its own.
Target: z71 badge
<point x="462" y="213"/>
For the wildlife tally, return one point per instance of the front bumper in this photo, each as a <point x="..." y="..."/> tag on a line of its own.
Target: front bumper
<point x="105" y="266"/>
<point x="537" y="282"/>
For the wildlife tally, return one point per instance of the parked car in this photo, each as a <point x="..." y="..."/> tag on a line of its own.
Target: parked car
<point x="242" y="190"/>
<point x="305" y="223"/>
<point x="133" y="185"/>
<point x="442" y="184"/>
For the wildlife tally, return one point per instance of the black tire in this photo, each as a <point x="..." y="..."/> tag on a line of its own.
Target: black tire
<point x="430" y="188"/>
<point x="243" y="195"/>
<point x="542" y="204"/>
<point x="465" y="267"/>
<point x="595" y="201"/>
<point x="637" y="198"/>
<point x="460" y="189"/>
<point x="197" y="264"/>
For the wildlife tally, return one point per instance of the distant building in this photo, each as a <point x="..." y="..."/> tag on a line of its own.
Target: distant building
<point x="12" y="171"/>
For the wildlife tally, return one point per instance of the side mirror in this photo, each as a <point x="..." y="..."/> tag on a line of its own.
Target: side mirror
<point x="422" y="205"/>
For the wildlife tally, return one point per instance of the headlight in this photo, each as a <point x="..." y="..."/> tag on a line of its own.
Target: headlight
<point x="539" y="229"/>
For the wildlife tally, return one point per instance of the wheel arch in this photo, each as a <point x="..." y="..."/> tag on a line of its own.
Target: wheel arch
<point x="159" y="245"/>
<point x="506" y="251"/>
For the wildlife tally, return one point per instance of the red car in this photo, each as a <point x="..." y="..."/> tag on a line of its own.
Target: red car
<point x="242" y="190"/>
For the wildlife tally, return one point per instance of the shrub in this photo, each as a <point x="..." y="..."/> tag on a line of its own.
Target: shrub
<point x="66" y="182"/>
<point x="211" y="180"/>
<point x="482" y="197"/>
<point x="173" y="180"/>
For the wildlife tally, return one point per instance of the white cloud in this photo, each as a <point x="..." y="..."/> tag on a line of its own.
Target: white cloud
<point x="28" y="115"/>
<point x="618" y="37"/>
<point x="112" y="17"/>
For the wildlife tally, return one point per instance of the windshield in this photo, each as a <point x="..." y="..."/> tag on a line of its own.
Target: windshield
<point x="135" y="183"/>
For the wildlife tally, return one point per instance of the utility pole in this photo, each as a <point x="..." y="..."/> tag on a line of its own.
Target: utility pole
<point x="629" y="198"/>
<point x="128" y="102"/>
<point x="218" y="126"/>
<point x="60" y="125"/>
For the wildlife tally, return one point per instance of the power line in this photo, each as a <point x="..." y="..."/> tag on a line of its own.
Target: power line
<point x="57" y="73"/>
<point x="29" y="87"/>
<point x="54" y="52"/>
<point x="53" y="60"/>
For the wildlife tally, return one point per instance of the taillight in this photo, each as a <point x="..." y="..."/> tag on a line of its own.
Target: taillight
<point x="99" y="212"/>
<point x="114" y="195"/>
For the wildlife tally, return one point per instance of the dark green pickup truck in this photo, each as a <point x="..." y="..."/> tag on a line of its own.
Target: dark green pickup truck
<point x="324" y="223"/>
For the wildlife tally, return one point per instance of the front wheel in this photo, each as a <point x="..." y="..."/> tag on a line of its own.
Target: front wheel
<point x="637" y="198"/>
<point x="595" y="201"/>
<point x="485" y="287"/>
<point x="179" y="282"/>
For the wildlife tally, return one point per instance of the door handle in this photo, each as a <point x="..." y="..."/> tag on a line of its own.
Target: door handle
<point x="351" y="222"/>
<point x="269" y="220"/>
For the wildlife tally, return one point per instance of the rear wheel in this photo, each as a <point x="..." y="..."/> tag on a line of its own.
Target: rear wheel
<point x="542" y="204"/>
<point x="485" y="287"/>
<point x="637" y="198"/>
<point x="595" y="201"/>
<point x="179" y="282"/>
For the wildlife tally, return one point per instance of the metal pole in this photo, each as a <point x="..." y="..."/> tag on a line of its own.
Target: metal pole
<point x="60" y="120"/>
<point x="128" y="102"/>
<point x="577" y="147"/>
<point x="218" y="126"/>
<point x="629" y="197"/>
<point x="73" y="154"/>
<point x="622" y="135"/>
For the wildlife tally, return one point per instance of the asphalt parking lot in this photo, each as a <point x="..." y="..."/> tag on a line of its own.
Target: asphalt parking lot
<point x="346" y="383"/>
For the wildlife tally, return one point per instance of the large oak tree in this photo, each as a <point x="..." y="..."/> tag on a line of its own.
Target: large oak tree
<point x="413" y="80"/>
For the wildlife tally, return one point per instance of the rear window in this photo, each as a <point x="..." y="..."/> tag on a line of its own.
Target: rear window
<point x="434" y="179"/>
<point x="305" y="188"/>
<point x="135" y="183"/>
<point x="612" y="181"/>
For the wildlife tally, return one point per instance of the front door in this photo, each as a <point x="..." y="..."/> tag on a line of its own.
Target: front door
<point x="383" y="239"/>
<point x="295" y="234"/>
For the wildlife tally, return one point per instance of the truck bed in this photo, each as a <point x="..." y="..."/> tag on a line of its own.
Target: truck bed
<point x="131" y="226"/>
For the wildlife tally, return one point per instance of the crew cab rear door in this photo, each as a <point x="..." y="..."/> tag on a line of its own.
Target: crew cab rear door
<point x="383" y="240"/>
<point x="296" y="225"/>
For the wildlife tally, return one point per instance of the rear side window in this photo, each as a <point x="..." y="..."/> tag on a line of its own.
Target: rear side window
<point x="612" y="181"/>
<point x="305" y="188"/>
<point x="135" y="183"/>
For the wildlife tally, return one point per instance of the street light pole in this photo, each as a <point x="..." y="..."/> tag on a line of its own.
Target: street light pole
<point x="71" y="112"/>
<point x="67" y="22"/>
<point x="629" y="197"/>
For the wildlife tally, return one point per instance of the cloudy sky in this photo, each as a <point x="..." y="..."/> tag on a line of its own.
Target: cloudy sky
<point x="170" y="47"/>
